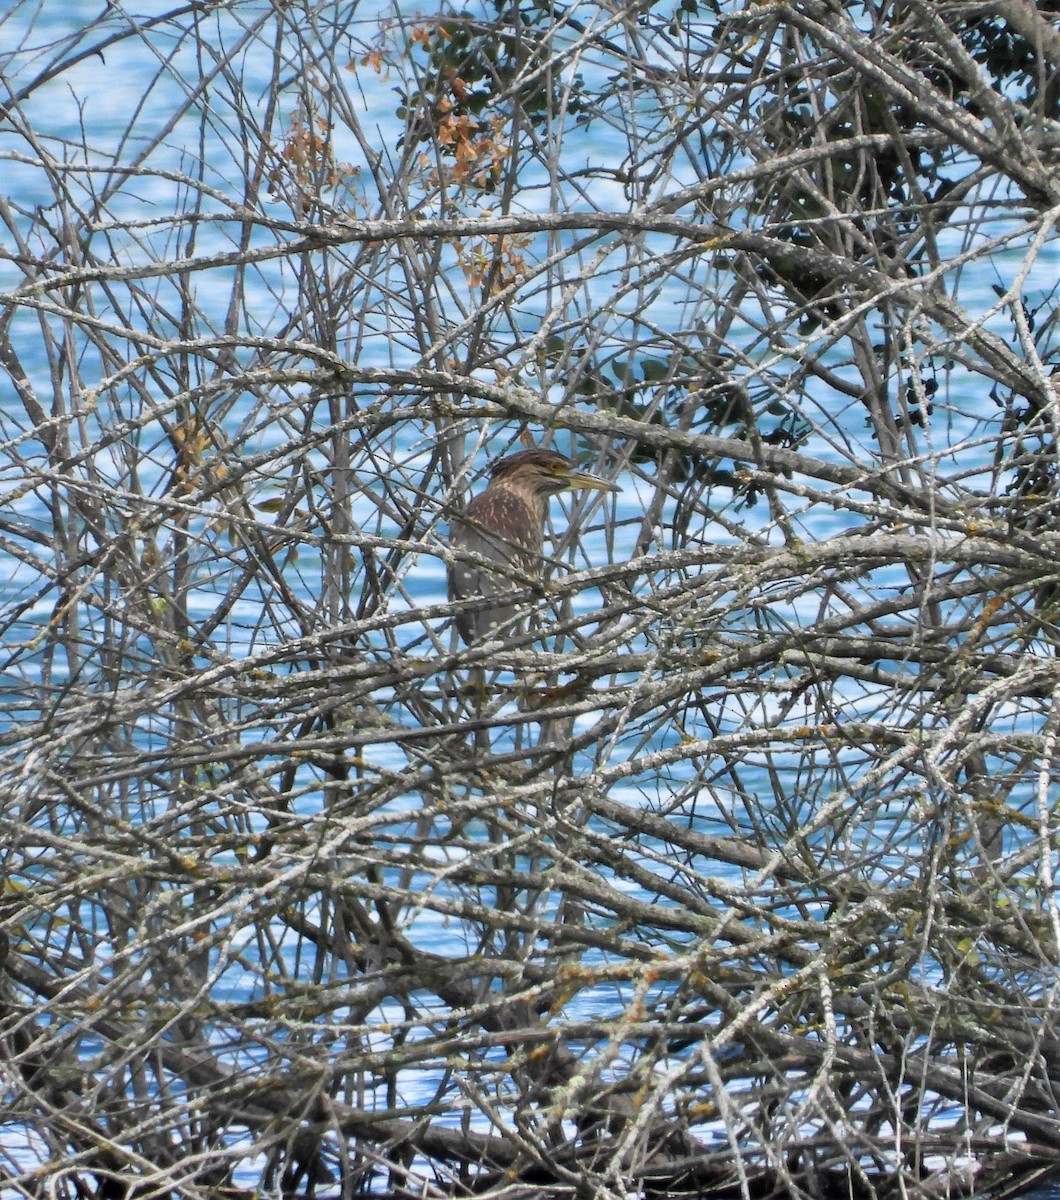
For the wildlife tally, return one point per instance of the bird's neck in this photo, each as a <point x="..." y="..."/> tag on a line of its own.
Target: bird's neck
<point x="532" y="527"/>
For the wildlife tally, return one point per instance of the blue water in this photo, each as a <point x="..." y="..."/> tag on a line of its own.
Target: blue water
<point x="84" y="117"/>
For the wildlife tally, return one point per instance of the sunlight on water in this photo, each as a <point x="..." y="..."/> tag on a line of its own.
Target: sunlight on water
<point x="661" y="764"/>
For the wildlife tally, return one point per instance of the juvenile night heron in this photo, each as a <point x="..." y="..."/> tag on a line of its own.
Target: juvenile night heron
<point x="506" y="525"/>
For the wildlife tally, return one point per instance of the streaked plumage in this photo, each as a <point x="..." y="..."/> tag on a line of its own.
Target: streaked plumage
<point x="506" y="524"/>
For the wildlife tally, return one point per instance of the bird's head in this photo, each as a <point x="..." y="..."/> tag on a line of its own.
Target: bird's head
<point x="543" y="473"/>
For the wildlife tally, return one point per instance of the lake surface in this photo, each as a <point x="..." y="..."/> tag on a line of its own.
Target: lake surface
<point x="105" y="104"/>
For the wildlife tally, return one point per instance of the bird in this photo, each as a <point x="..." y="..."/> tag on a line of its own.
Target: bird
<point x="506" y="525"/>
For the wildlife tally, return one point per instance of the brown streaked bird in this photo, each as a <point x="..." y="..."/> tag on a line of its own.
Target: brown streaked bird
<point x="506" y="524"/>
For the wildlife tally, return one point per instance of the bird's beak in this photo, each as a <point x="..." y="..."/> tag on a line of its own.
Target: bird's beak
<point x="578" y="479"/>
